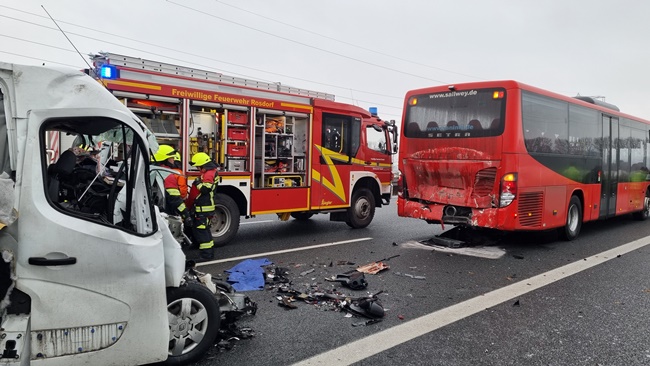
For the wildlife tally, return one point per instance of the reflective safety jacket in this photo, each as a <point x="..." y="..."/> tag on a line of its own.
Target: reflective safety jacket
<point x="175" y="194"/>
<point x="206" y="185"/>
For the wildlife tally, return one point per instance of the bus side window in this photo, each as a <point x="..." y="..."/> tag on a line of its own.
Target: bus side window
<point x="496" y="124"/>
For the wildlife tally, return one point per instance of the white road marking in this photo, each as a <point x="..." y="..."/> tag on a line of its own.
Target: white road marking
<point x="381" y="341"/>
<point x="257" y="255"/>
<point x="255" y="222"/>
<point x="482" y="252"/>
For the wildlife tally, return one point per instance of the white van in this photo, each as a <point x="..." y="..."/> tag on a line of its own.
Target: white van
<point x="90" y="273"/>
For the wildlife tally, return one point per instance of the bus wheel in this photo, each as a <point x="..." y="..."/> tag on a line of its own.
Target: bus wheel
<point x="225" y="222"/>
<point x="362" y="209"/>
<point x="573" y="220"/>
<point x="301" y="216"/>
<point x="645" y="213"/>
<point x="194" y="321"/>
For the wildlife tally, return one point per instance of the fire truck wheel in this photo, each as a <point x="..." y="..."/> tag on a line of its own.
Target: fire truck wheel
<point x="573" y="220"/>
<point x="362" y="209"/>
<point x="225" y="222"/>
<point x="301" y="216"/>
<point x="194" y="321"/>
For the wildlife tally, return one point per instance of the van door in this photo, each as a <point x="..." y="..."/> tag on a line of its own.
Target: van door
<point x="89" y="253"/>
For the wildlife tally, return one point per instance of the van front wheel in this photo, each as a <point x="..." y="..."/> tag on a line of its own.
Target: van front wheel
<point x="194" y="321"/>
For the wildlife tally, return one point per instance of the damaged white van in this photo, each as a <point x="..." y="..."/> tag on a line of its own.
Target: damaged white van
<point x="90" y="273"/>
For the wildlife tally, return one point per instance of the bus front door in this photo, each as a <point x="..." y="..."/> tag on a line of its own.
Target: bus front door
<point x="610" y="156"/>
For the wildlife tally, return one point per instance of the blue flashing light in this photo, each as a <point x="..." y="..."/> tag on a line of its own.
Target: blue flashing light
<point x="108" y="72"/>
<point x="373" y="111"/>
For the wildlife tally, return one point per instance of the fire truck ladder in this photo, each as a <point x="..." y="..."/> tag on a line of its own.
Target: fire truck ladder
<point x="102" y="58"/>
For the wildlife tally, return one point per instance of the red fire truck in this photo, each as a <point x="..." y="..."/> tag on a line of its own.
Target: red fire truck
<point x="281" y="150"/>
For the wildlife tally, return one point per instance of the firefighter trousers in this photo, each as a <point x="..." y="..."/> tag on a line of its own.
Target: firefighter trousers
<point x="201" y="230"/>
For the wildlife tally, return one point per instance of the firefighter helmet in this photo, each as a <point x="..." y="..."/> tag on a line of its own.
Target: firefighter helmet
<point x="164" y="152"/>
<point x="200" y="159"/>
<point x="177" y="156"/>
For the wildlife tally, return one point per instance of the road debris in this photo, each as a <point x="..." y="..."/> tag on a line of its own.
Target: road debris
<point x="410" y="276"/>
<point x="367" y="322"/>
<point x="232" y="306"/>
<point x="278" y="274"/>
<point x="329" y="299"/>
<point x="304" y="273"/>
<point x="373" y="268"/>
<point x="488" y="252"/>
<point x="354" y="280"/>
<point x="286" y="302"/>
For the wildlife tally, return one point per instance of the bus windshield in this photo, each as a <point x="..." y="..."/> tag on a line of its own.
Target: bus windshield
<point x="467" y="113"/>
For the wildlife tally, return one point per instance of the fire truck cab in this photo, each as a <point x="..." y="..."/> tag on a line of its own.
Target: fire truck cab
<point x="281" y="150"/>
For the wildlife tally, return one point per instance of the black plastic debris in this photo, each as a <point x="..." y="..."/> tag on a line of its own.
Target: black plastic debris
<point x="354" y="280"/>
<point x="459" y="237"/>
<point x="369" y="307"/>
<point x="367" y="322"/>
<point x="233" y="305"/>
<point x="278" y="275"/>
<point x="286" y="302"/>
<point x="230" y="333"/>
<point x="516" y="303"/>
<point x="326" y="298"/>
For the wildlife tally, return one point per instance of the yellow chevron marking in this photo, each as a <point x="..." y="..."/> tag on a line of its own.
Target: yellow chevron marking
<point x="337" y="186"/>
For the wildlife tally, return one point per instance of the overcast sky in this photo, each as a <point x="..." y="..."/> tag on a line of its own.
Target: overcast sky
<point x="366" y="52"/>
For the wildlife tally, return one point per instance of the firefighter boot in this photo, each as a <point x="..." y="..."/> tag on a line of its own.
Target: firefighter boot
<point x="206" y="254"/>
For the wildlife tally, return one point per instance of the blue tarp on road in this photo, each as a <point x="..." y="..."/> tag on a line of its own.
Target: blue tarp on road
<point x="248" y="275"/>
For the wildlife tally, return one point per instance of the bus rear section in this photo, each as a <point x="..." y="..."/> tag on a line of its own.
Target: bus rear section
<point x="508" y="156"/>
<point x="451" y="159"/>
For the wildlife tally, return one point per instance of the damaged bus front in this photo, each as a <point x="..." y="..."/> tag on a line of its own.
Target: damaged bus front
<point x="90" y="273"/>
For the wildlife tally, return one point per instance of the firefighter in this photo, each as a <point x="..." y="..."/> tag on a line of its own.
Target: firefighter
<point x="175" y="185"/>
<point x="203" y="210"/>
<point x="177" y="162"/>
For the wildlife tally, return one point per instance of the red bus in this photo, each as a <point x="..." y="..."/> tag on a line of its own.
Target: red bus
<point x="508" y="156"/>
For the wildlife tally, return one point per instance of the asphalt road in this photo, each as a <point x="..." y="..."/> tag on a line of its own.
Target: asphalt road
<point x="494" y="305"/>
